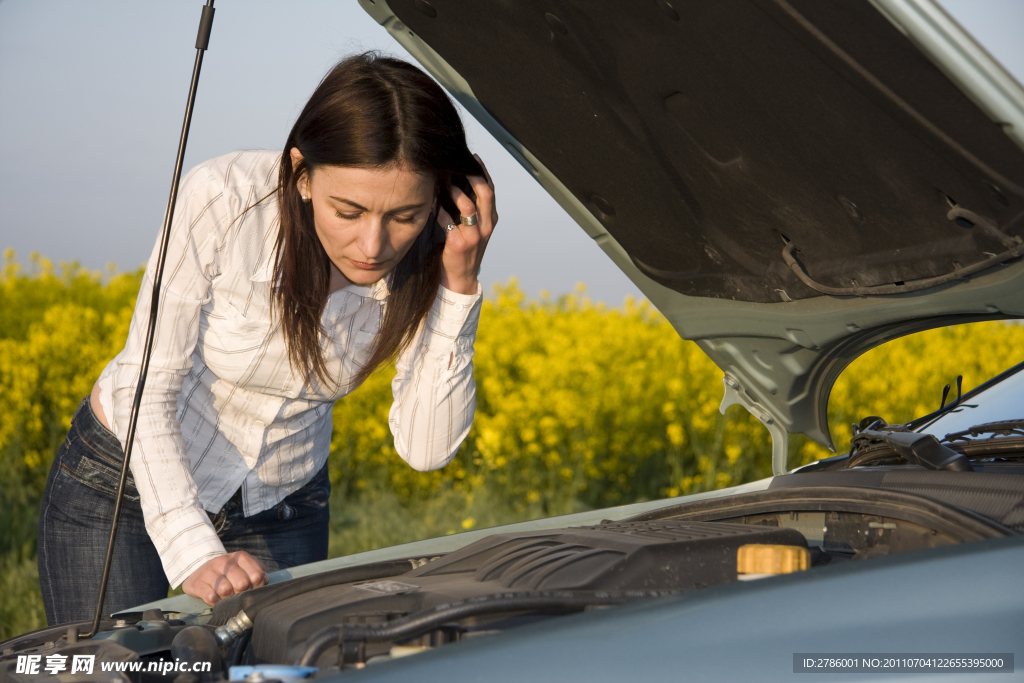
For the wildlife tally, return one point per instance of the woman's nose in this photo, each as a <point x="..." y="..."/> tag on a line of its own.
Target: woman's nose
<point x="373" y="239"/>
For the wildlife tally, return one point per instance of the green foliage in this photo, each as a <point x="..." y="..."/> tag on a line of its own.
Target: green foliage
<point x="21" y="605"/>
<point x="578" y="407"/>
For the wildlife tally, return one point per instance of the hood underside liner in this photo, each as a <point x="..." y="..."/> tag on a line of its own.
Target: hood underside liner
<point x="706" y="135"/>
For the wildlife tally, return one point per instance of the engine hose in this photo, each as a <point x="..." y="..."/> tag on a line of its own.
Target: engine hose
<point x="428" y="619"/>
<point x="252" y="601"/>
<point x="195" y="644"/>
<point x="239" y="653"/>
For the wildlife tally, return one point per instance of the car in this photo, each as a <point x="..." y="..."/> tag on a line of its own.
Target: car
<point x="791" y="183"/>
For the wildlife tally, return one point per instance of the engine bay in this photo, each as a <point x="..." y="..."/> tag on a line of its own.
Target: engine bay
<point x="574" y="569"/>
<point x="363" y="615"/>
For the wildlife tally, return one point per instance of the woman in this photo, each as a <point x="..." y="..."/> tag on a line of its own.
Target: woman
<point x="289" y="279"/>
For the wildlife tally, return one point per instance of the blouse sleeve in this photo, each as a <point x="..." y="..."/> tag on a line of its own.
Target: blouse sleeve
<point x="176" y="522"/>
<point x="434" y="391"/>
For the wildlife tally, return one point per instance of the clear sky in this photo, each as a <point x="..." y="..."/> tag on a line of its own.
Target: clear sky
<point x="92" y="94"/>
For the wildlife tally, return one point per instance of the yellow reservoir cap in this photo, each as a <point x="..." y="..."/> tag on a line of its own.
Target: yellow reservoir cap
<point x="762" y="558"/>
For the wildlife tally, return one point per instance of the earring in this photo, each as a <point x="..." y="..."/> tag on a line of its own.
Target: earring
<point x="305" y="199"/>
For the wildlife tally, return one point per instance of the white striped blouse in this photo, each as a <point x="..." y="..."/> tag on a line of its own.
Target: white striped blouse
<point x="222" y="408"/>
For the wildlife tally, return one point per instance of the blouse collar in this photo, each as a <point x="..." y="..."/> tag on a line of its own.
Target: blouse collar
<point x="379" y="290"/>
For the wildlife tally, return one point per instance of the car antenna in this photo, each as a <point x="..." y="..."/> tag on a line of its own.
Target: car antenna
<point x="202" y="43"/>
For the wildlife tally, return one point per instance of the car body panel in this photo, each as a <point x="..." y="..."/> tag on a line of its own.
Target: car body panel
<point x="782" y="357"/>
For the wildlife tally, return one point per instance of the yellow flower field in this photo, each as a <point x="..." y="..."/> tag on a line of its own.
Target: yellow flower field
<point x="579" y="406"/>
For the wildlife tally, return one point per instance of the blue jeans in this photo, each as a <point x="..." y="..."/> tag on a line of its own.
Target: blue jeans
<point x="78" y="505"/>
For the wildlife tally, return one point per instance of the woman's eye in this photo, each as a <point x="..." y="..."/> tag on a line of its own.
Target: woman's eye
<point x="405" y="219"/>
<point x="347" y="216"/>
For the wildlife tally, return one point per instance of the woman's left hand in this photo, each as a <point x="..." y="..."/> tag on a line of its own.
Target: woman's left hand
<point x="465" y="244"/>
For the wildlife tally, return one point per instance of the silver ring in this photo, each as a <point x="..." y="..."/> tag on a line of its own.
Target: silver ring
<point x="468" y="220"/>
<point x="448" y="228"/>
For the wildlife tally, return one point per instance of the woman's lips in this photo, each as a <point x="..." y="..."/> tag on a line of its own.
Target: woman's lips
<point x="365" y="266"/>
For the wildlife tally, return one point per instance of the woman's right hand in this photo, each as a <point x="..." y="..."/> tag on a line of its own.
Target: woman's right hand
<point x="464" y="245"/>
<point x="225" y="576"/>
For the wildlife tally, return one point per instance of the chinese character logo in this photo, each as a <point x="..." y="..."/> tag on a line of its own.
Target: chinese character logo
<point x="82" y="663"/>
<point x="28" y="664"/>
<point x="55" y="664"/>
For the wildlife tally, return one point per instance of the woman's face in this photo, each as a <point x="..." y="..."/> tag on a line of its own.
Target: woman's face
<point x="368" y="218"/>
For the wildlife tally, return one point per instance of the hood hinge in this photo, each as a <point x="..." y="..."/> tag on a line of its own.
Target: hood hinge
<point x="737" y="395"/>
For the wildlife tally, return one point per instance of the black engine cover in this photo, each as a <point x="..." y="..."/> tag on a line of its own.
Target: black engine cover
<point x="664" y="555"/>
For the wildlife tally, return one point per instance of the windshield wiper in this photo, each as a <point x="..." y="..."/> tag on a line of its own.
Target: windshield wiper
<point x="917" y="449"/>
<point x="1000" y="428"/>
<point x="880" y="441"/>
<point x="959" y="392"/>
<point x="958" y="402"/>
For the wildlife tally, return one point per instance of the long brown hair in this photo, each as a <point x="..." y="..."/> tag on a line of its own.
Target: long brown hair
<point x="369" y="111"/>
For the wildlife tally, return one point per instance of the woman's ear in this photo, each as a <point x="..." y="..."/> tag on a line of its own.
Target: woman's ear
<point x="301" y="177"/>
<point x="297" y="158"/>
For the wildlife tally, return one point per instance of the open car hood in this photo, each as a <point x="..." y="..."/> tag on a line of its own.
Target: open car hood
<point x="789" y="183"/>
